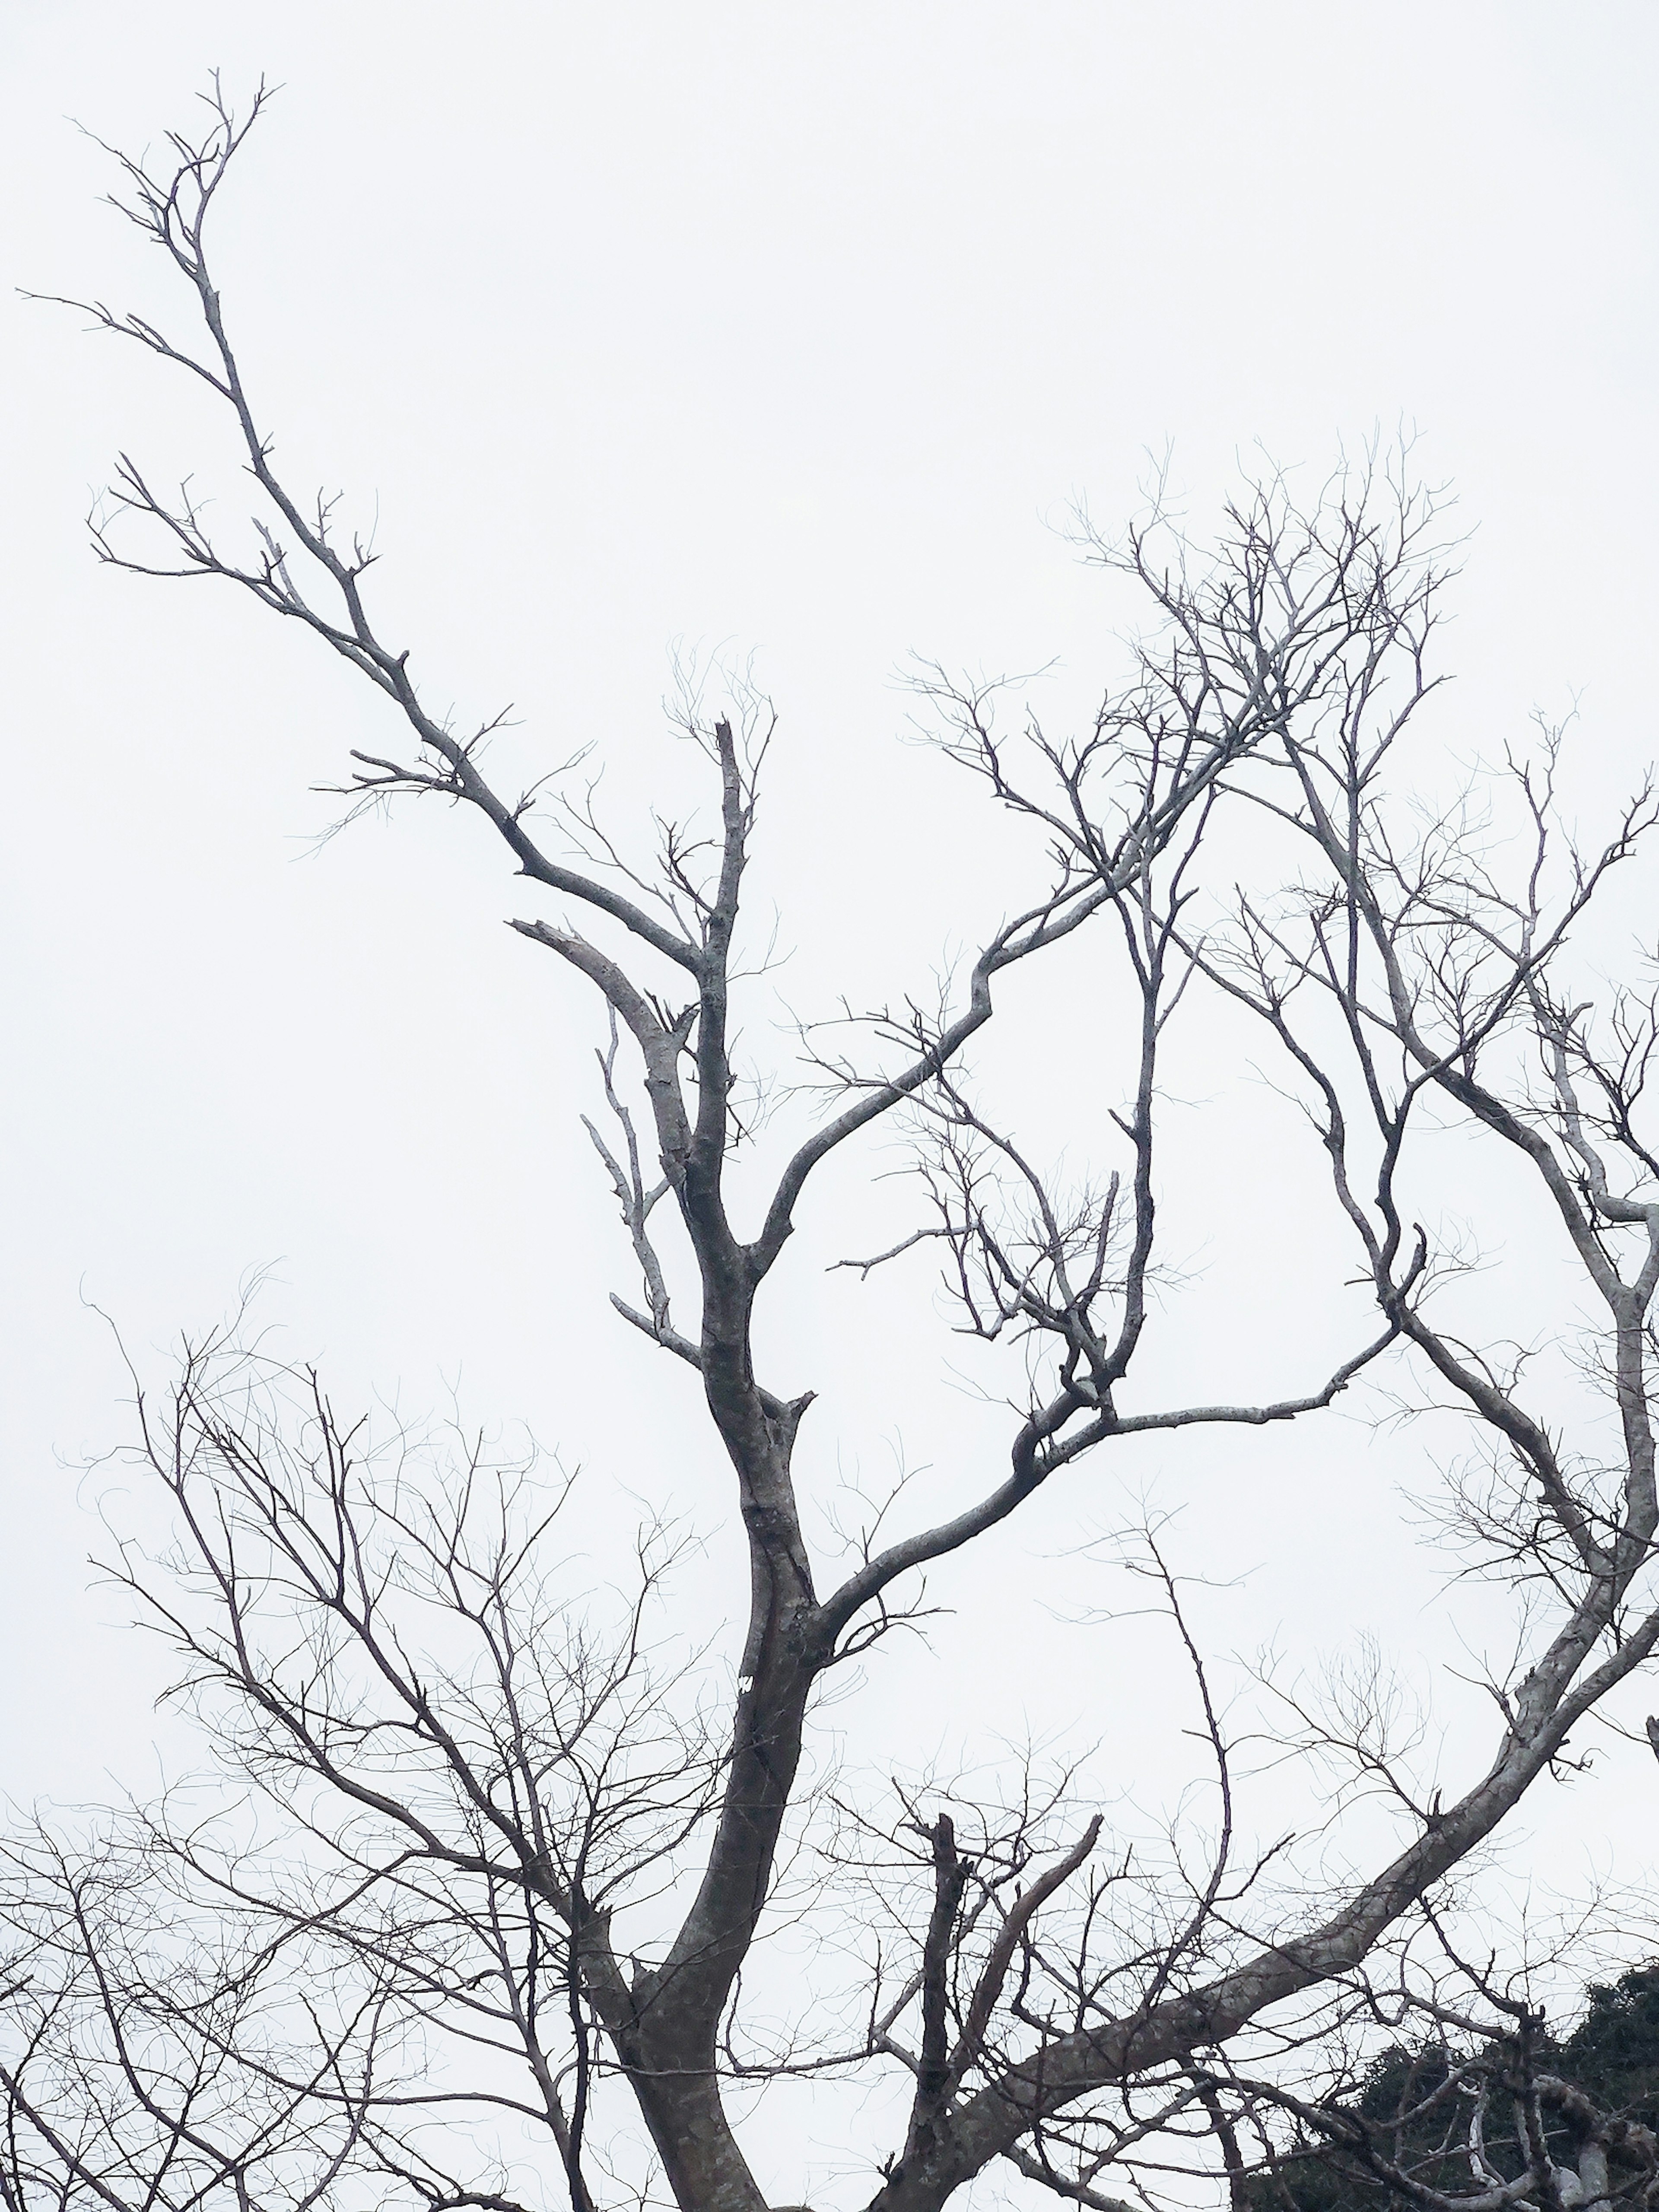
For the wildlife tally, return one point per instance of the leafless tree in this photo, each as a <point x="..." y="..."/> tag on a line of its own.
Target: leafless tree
<point x="487" y="1779"/>
<point x="157" y="2058"/>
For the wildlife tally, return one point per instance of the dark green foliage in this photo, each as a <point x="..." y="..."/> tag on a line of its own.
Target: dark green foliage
<point x="1420" y="2122"/>
<point x="1614" y="2052"/>
<point x="1419" y="2114"/>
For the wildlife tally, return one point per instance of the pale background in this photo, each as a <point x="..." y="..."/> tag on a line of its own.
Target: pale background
<point x="796" y="331"/>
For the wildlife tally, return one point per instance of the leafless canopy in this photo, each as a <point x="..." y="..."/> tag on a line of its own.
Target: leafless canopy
<point x="468" y="1775"/>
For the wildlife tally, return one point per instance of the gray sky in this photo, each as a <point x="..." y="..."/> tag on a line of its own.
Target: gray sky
<point x="798" y="332"/>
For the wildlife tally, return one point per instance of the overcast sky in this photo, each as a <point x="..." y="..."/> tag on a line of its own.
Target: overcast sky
<point x="797" y="331"/>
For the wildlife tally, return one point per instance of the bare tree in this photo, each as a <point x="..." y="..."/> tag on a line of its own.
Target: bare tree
<point x="487" y="1779"/>
<point x="157" y="2058"/>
